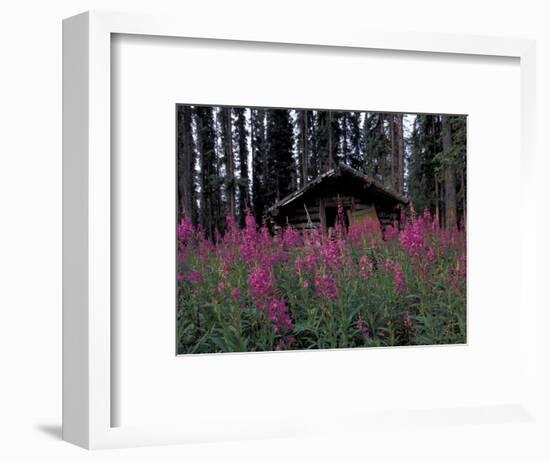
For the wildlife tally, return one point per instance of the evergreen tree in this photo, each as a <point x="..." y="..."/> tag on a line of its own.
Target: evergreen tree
<point x="281" y="165"/>
<point x="241" y="141"/>
<point x="421" y="181"/>
<point x="458" y="124"/>
<point x="452" y="168"/>
<point x="328" y="135"/>
<point x="398" y="152"/>
<point x="377" y="147"/>
<point x="354" y="141"/>
<point x="448" y="160"/>
<point x="187" y="192"/>
<point x="208" y="178"/>
<point x="231" y="160"/>
<point x="226" y="137"/>
<point x="423" y="184"/>
<point x="259" y="162"/>
<point x="303" y="145"/>
<point x="340" y="148"/>
<point x="315" y="153"/>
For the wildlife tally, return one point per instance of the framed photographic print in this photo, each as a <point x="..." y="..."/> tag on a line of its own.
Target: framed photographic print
<point x="298" y="229"/>
<point x="258" y="221"/>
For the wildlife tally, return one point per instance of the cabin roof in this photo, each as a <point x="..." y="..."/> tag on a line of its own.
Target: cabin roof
<point x="341" y="170"/>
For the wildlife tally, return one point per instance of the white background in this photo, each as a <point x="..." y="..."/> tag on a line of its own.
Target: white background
<point x="149" y="77"/>
<point x="30" y="187"/>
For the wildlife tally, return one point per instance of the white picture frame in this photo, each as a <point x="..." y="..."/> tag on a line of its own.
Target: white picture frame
<point x="87" y="360"/>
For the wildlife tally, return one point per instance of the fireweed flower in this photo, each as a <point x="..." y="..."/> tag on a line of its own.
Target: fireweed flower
<point x="277" y="257"/>
<point x="460" y="268"/>
<point x="430" y="255"/>
<point x="339" y="230"/>
<point x="444" y="239"/>
<point x="323" y="266"/>
<point x="182" y="255"/>
<point x="228" y="257"/>
<point x="249" y="250"/>
<point x="398" y="278"/>
<point x="311" y="261"/>
<point x="205" y="248"/>
<point x="195" y="277"/>
<point x="363" y="328"/>
<point x="332" y="253"/>
<point x="339" y="227"/>
<point x="388" y="265"/>
<point x="407" y="321"/>
<point x="325" y="286"/>
<point x="232" y="231"/>
<point x="250" y="226"/>
<point x="217" y="236"/>
<point x="223" y="270"/>
<point x="454" y="243"/>
<point x="312" y="239"/>
<point x="368" y="230"/>
<point x="299" y="265"/>
<point x="280" y="316"/>
<point x="340" y="211"/>
<point x="391" y="232"/>
<point x="185" y="231"/>
<point x="255" y="245"/>
<point x="265" y="239"/>
<point x="426" y="216"/>
<point x="291" y="237"/>
<point x="355" y="233"/>
<point x="412" y="237"/>
<point x="366" y="268"/>
<point x="285" y="343"/>
<point x="262" y="286"/>
<point x="372" y="227"/>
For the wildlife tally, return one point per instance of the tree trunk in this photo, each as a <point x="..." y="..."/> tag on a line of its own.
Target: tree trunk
<point x="202" y="182"/>
<point x="185" y="162"/>
<point x="463" y="195"/>
<point x="242" y="136"/>
<point x="329" y="127"/>
<point x="393" y="151"/>
<point x="252" y="152"/>
<point x="344" y="134"/>
<point x="305" y="152"/>
<point x="382" y="154"/>
<point x="437" y="211"/>
<point x="450" y="176"/>
<point x="265" y="159"/>
<point x="229" y="161"/>
<point x="400" y="155"/>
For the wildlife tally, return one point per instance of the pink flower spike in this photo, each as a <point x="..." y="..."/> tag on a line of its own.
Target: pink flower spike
<point x="195" y="277"/>
<point x="398" y="278"/>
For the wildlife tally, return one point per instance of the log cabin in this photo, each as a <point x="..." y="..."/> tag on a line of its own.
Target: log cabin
<point x="316" y="204"/>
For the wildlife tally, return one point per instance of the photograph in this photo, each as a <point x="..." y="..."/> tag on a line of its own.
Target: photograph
<point x="304" y="228"/>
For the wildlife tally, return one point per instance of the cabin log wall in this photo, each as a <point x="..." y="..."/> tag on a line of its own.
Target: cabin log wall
<point x="345" y="187"/>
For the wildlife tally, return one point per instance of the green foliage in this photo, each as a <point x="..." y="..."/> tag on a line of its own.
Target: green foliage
<point x="219" y="313"/>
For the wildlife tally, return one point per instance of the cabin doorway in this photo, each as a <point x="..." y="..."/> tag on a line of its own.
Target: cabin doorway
<point x="331" y="214"/>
